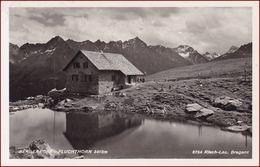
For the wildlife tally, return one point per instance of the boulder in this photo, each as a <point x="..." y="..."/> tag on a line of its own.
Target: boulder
<point x="40" y="105"/>
<point x="57" y="94"/>
<point x="40" y="98"/>
<point x="194" y="107"/>
<point x="226" y="103"/>
<point x="204" y="112"/>
<point x="41" y="149"/>
<point x="38" y="149"/>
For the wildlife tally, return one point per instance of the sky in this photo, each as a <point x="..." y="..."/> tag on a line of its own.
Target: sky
<point x="205" y="29"/>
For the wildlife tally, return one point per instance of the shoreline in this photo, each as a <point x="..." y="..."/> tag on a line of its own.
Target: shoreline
<point x="167" y="101"/>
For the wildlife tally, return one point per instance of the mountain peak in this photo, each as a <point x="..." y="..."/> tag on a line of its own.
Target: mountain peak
<point x="232" y="49"/>
<point x="54" y="42"/>
<point x="184" y="49"/>
<point x="56" y="38"/>
<point x="135" y="42"/>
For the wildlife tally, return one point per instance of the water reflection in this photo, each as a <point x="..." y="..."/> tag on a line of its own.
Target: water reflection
<point x="83" y="129"/>
<point x="123" y="136"/>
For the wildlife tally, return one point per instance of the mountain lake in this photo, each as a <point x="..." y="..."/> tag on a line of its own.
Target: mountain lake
<point x="119" y="135"/>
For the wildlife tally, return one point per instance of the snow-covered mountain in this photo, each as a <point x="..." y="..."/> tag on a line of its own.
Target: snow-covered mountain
<point x="232" y="49"/>
<point x="190" y="54"/>
<point x="211" y="56"/>
<point x="235" y="52"/>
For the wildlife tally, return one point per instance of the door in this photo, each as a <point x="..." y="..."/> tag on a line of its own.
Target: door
<point x="129" y="79"/>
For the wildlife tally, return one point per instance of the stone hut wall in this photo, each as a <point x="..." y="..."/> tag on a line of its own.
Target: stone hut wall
<point x="81" y="85"/>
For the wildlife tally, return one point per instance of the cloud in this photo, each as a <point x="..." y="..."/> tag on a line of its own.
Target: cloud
<point x="205" y="29"/>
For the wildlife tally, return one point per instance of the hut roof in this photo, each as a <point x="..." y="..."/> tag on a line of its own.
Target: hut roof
<point x="110" y="61"/>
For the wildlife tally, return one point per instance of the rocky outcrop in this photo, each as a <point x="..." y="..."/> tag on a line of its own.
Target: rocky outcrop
<point x="57" y="94"/>
<point x="193" y="108"/>
<point x="38" y="149"/>
<point x="198" y="110"/>
<point x="227" y="103"/>
<point x="204" y="112"/>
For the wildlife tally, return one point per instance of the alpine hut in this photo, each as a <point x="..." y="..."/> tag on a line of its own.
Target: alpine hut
<point x="97" y="72"/>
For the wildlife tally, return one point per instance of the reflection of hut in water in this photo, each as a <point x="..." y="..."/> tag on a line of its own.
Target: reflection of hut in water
<point x="83" y="129"/>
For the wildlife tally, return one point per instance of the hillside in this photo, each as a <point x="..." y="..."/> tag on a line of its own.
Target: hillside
<point x="39" y="70"/>
<point x="234" y="52"/>
<point x="229" y="67"/>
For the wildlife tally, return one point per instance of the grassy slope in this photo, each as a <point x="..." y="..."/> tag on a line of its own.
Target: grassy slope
<point x="230" y="67"/>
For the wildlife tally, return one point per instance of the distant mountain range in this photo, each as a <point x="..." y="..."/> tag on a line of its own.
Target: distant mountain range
<point x="37" y="68"/>
<point x="193" y="56"/>
<point x="234" y="52"/>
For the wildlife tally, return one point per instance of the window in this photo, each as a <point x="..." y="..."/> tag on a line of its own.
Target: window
<point x="88" y="78"/>
<point x="76" y="65"/>
<point x="74" y="77"/>
<point x="85" y="65"/>
<point x="113" y="77"/>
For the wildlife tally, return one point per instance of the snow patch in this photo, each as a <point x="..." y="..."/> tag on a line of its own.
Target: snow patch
<point x="184" y="55"/>
<point x="48" y="51"/>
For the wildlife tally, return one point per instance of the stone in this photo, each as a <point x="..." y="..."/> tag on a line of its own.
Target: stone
<point x="38" y="149"/>
<point x="90" y="108"/>
<point x="122" y="94"/>
<point x="57" y="94"/>
<point x="67" y="100"/>
<point x="204" y="112"/>
<point x="227" y="103"/>
<point x="239" y="122"/>
<point x="194" y="107"/>
<point x="237" y="128"/>
<point x="67" y="105"/>
<point x="30" y="98"/>
<point x="41" y="105"/>
<point x="42" y="149"/>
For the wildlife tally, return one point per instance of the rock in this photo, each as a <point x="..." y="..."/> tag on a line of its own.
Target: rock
<point x="239" y="122"/>
<point x="90" y="108"/>
<point x="110" y="106"/>
<point x="57" y="94"/>
<point x="204" y="112"/>
<point x="38" y="145"/>
<point x="40" y="105"/>
<point x="226" y="103"/>
<point x="40" y="98"/>
<point x="67" y="105"/>
<point x="158" y="111"/>
<point x="30" y="98"/>
<point x="194" y="107"/>
<point x="237" y="128"/>
<point x="67" y="100"/>
<point x="38" y="149"/>
<point x="122" y="94"/>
